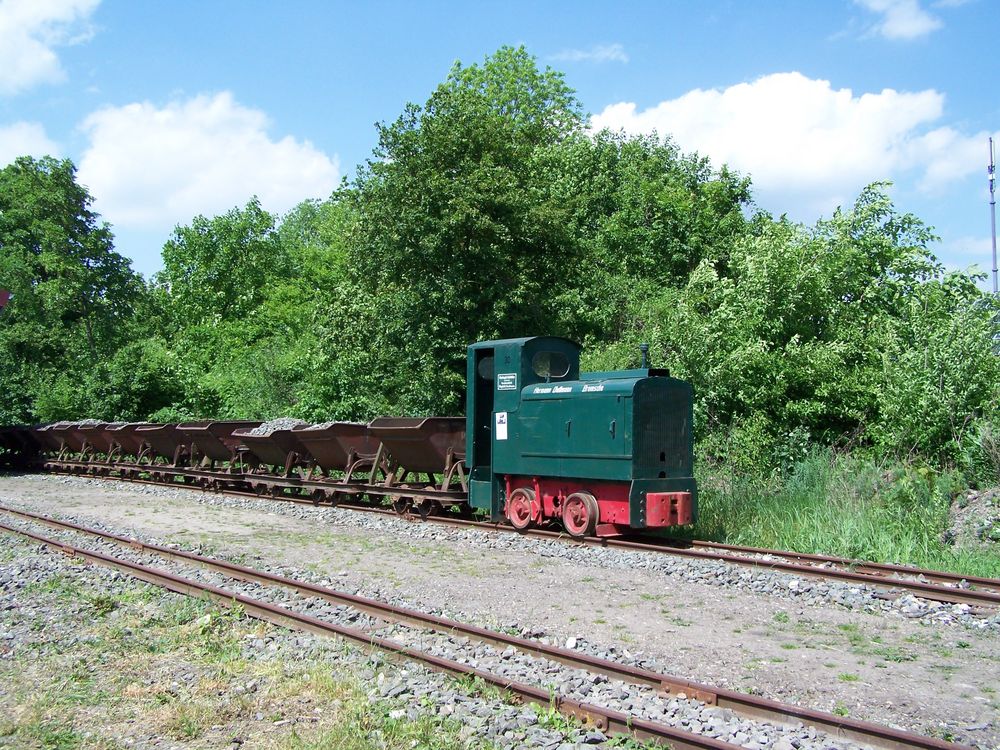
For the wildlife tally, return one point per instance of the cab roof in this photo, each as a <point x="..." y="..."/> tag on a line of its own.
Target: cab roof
<point x="522" y="342"/>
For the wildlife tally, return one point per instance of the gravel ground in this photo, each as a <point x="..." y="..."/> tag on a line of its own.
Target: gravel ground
<point x="640" y="702"/>
<point x="975" y="520"/>
<point x="829" y="646"/>
<point x="37" y="621"/>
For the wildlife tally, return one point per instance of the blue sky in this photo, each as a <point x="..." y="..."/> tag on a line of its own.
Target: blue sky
<point x="174" y="109"/>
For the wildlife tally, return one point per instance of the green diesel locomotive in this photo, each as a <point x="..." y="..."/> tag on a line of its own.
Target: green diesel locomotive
<point x="601" y="452"/>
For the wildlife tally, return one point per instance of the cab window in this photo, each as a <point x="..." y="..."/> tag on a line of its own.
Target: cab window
<point x="550" y="364"/>
<point x="485" y="368"/>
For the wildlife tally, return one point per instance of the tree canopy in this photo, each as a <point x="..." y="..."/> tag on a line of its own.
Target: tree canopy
<point x="74" y="294"/>
<point x="489" y="211"/>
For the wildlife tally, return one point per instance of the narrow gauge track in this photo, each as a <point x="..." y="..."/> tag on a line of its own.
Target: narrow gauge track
<point x="752" y="707"/>
<point x="941" y="586"/>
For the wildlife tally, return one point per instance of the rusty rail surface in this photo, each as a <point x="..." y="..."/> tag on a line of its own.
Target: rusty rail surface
<point x="986" y="596"/>
<point x="852" y="570"/>
<point x="873" y="568"/>
<point x="746" y="705"/>
<point x="613" y="722"/>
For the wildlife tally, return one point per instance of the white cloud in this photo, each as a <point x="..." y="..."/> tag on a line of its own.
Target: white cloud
<point x="949" y="156"/>
<point x="597" y="54"/>
<point x="960" y="253"/>
<point x="901" y="19"/>
<point x="806" y="145"/>
<point x="24" y="139"/>
<point x="30" y="30"/>
<point x="152" y="167"/>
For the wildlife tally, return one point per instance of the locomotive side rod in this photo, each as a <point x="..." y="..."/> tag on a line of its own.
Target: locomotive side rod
<point x="748" y="705"/>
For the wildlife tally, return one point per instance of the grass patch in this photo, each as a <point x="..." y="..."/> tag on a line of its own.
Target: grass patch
<point x="894" y="654"/>
<point x="176" y="668"/>
<point x="842" y="505"/>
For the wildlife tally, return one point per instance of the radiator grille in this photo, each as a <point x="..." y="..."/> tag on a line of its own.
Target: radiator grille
<point x="662" y="440"/>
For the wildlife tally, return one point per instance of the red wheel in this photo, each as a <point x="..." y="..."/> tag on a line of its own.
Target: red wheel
<point x="580" y="513"/>
<point x="521" y="508"/>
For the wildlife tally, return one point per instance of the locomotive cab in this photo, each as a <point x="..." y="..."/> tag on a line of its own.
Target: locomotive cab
<point x="495" y="375"/>
<point x="600" y="452"/>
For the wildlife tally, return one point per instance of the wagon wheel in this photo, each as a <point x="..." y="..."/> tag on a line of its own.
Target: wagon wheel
<point x="522" y="508"/>
<point x="579" y="514"/>
<point x="402" y="505"/>
<point x="428" y="508"/>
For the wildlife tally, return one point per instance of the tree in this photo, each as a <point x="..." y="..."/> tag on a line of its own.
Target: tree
<point x="849" y="330"/>
<point x="645" y="215"/>
<point x="459" y="235"/>
<point x="73" y="294"/>
<point x="217" y="270"/>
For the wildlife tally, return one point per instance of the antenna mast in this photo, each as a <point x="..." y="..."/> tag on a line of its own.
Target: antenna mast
<point x="991" y="173"/>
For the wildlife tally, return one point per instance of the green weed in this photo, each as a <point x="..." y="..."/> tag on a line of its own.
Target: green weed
<point x="846" y="505"/>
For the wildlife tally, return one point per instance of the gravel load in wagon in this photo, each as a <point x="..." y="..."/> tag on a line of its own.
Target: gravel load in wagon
<point x="272" y="444"/>
<point x="163" y="439"/>
<point x="274" y="425"/>
<point x="127" y="437"/>
<point x="421" y="445"/>
<point x="333" y="445"/>
<point x="214" y="439"/>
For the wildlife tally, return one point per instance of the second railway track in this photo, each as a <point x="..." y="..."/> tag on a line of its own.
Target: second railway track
<point x="982" y="594"/>
<point x="601" y="712"/>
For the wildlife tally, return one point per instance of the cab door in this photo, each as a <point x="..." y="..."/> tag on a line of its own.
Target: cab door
<point x="479" y="425"/>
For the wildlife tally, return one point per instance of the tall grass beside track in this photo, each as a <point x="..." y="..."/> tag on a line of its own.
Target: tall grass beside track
<point x="842" y="505"/>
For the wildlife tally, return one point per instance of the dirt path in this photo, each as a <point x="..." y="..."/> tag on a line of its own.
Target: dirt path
<point x="934" y="679"/>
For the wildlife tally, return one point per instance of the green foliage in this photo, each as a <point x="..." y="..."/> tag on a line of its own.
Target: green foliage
<point x="218" y="269"/>
<point x="981" y="455"/>
<point x="73" y="294"/>
<point x="838" y="504"/>
<point x="490" y="211"/>
<point x="458" y="190"/>
<point x="847" y="332"/>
